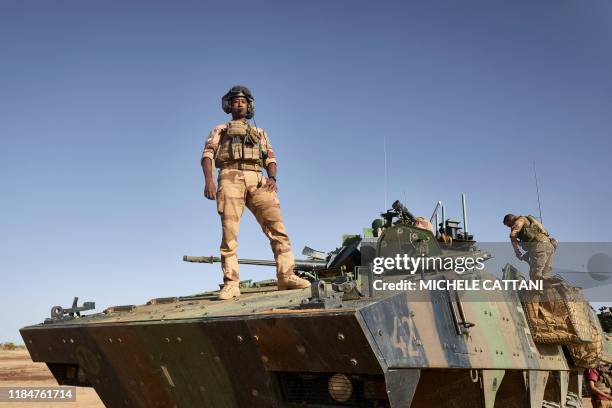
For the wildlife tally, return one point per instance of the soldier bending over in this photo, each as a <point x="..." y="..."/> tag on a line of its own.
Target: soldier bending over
<point x="527" y="232"/>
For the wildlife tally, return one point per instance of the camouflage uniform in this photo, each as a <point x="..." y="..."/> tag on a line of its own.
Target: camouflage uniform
<point x="601" y="380"/>
<point x="536" y="242"/>
<point x="239" y="185"/>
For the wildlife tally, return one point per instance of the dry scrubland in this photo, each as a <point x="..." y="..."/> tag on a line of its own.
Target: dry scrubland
<point x="18" y="370"/>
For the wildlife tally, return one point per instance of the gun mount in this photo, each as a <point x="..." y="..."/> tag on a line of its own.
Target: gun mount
<point x="60" y="313"/>
<point x="399" y="211"/>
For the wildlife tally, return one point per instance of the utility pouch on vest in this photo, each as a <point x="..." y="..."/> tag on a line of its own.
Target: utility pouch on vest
<point x="236" y="133"/>
<point x="531" y="231"/>
<point x="240" y="147"/>
<point x="535" y="225"/>
<point x="528" y="232"/>
<point x="251" y="147"/>
<point x="224" y="154"/>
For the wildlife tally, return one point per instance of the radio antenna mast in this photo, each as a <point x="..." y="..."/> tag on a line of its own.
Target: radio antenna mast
<point x="535" y="176"/>
<point x="386" y="176"/>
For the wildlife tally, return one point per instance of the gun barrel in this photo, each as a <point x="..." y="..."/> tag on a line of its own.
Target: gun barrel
<point x="308" y="265"/>
<point x="201" y="259"/>
<point x="300" y="265"/>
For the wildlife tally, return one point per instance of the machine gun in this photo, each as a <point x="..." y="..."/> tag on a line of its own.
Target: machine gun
<point x="399" y="211"/>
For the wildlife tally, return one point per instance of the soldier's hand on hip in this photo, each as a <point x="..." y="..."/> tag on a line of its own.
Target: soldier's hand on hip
<point x="271" y="186"/>
<point x="210" y="190"/>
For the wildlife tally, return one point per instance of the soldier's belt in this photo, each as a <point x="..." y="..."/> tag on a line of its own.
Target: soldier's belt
<point x="241" y="166"/>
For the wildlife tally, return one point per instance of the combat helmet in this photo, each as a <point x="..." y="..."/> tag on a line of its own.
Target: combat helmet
<point x="238" y="90"/>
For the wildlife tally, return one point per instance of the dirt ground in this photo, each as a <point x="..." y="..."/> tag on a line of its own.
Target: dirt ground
<point x="18" y="370"/>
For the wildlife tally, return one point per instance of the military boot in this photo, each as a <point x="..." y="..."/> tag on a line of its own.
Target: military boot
<point x="292" y="282"/>
<point x="229" y="291"/>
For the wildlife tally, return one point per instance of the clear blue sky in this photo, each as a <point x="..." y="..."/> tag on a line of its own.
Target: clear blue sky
<point x="105" y="106"/>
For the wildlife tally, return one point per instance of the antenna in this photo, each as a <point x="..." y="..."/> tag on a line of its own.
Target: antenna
<point x="535" y="176"/>
<point x="443" y="220"/>
<point x="434" y="218"/>
<point x="385" y="181"/>
<point x="465" y="226"/>
<point x="435" y="211"/>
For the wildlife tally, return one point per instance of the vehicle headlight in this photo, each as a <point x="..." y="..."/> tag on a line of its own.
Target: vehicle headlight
<point x="340" y="387"/>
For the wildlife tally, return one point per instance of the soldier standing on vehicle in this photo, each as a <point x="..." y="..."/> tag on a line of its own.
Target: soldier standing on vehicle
<point x="240" y="151"/>
<point x="527" y="232"/>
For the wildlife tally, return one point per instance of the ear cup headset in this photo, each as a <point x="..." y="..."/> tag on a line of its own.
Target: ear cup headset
<point x="238" y="90"/>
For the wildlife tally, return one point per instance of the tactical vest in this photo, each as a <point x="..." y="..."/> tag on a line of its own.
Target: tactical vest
<point x="531" y="231"/>
<point x="240" y="147"/>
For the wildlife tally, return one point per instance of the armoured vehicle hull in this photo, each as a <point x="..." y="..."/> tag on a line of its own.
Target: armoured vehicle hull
<point x="394" y="351"/>
<point x="336" y="344"/>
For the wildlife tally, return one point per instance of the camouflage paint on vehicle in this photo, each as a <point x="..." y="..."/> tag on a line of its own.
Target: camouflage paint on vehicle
<point x="275" y="348"/>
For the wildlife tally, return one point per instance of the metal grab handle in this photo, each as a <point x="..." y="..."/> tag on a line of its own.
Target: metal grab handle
<point x="456" y="309"/>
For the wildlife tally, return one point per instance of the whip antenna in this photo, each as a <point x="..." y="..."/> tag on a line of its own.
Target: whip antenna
<point x="385" y="181"/>
<point x="535" y="176"/>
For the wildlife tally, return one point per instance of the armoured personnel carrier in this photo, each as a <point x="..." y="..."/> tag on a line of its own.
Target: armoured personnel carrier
<point x="351" y="340"/>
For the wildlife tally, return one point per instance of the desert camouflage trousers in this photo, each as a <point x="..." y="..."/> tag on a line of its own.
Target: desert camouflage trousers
<point x="540" y="259"/>
<point x="240" y="188"/>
